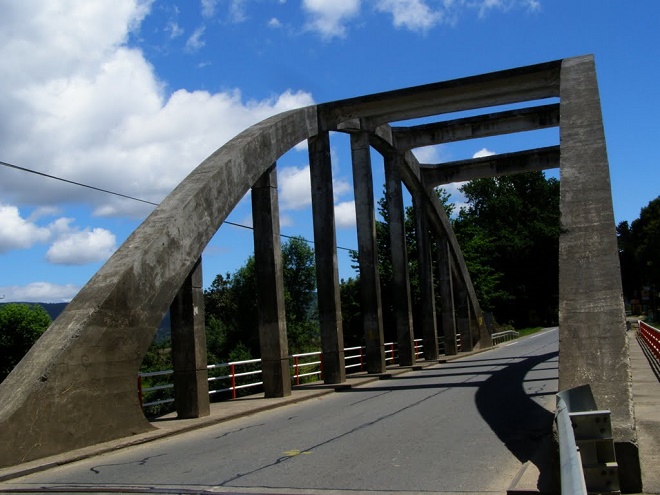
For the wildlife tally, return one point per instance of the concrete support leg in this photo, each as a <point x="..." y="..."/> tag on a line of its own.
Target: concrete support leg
<point x="372" y="312"/>
<point x="399" y="254"/>
<point x="592" y="329"/>
<point x="191" y="386"/>
<point x="325" y="250"/>
<point x="447" y="298"/>
<point x="429" y="329"/>
<point x="270" y="286"/>
<point x="463" y="326"/>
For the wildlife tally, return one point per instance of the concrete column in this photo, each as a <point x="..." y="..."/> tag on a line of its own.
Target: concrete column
<point x="191" y="386"/>
<point x="447" y="298"/>
<point x="372" y="312"/>
<point x="592" y="331"/>
<point x="325" y="250"/>
<point x="270" y="286"/>
<point x="463" y="326"/>
<point x="428" y="324"/>
<point x="399" y="254"/>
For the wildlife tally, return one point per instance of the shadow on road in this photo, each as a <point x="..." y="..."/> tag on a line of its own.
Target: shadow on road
<point x="520" y="422"/>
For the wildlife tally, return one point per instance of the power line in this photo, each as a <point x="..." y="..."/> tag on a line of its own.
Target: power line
<point x="113" y="193"/>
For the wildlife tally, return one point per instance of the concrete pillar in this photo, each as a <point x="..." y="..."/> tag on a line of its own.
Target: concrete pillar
<point x="463" y="326"/>
<point x="191" y="386"/>
<point x="447" y="298"/>
<point x="270" y="286"/>
<point x="429" y="329"/>
<point x="399" y="254"/>
<point x="372" y="312"/>
<point x="325" y="250"/>
<point x="592" y="330"/>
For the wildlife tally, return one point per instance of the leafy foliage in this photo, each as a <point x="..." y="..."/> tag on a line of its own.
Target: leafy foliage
<point x="20" y="327"/>
<point x="639" y="246"/>
<point x="509" y="234"/>
<point x="231" y="306"/>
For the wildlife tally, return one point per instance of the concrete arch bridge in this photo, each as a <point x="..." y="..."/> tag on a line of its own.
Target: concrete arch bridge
<point x="76" y="386"/>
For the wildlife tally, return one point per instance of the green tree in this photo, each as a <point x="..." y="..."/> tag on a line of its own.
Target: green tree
<point x="509" y="235"/>
<point x="20" y="327"/>
<point x="639" y="248"/>
<point x="231" y="306"/>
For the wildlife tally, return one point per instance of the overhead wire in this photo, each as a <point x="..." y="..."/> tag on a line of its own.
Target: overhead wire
<point x="125" y="196"/>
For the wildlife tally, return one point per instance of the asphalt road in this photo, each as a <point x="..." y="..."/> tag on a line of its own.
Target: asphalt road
<point x="461" y="427"/>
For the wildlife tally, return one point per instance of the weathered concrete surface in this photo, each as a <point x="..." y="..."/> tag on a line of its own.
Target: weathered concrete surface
<point x="273" y="344"/>
<point x="325" y="252"/>
<point x="191" y="384"/>
<point x="77" y="385"/>
<point x="592" y="329"/>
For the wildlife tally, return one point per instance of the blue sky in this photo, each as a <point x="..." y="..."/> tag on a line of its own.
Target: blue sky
<point x="131" y="95"/>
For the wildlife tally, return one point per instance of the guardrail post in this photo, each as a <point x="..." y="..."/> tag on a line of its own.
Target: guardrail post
<point x="232" y="374"/>
<point x="139" y="388"/>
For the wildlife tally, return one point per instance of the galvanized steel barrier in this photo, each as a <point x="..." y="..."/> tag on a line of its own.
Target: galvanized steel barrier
<point x="586" y="447"/>
<point x="505" y="336"/>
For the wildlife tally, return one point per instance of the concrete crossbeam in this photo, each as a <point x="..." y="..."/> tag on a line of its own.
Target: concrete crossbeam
<point x="491" y="166"/>
<point x="494" y="124"/>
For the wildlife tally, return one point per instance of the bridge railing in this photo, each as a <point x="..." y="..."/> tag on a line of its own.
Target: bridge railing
<point x="649" y="340"/>
<point x="505" y="336"/>
<point x="229" y="378"/>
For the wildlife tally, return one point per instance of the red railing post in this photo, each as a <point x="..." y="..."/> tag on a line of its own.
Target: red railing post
<point x="321" y="366"/>
<point x="361" y="360"/>
<point x="296" y="371"/>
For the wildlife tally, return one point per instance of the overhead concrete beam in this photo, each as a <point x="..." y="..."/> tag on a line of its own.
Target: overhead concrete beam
<point x="533" y="82"/>
<point x="491" y="166"/>
<point x="493" y="124"/>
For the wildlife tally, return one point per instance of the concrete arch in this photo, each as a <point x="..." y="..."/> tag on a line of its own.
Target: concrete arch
<point x="76" y="386"/>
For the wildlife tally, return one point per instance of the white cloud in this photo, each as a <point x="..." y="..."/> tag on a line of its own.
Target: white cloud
<point x="39" y="292"/>
<point x="328" y="17"/>
<point x="174" y="29"/>
<point x="411" y="14"/>
<point x="275" y="23"/>
<point x="74" y="247"/>
<point x="345" y="214"/>
<point x="99" y="113"/>
<point x="237" y="11"/>
<point x="295" y="187"/>
<point x="208" y="8"/>
<point x="195" y="41"/>
<point x="483" y="152"/>
<point x="17" y="232"/>
<point x="427" y="154"/>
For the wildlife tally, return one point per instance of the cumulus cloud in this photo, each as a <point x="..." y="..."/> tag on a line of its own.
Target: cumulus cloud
<point x="328" y="17"/>
<point x="295" y="187"/>
<point x="427" y="154"/>
<point x="79" y="247"/>
<point x="98" y="111"/>
<point x="17" y="232"/>
<point x="345" y="214"/>
<point x="45" y="292"/>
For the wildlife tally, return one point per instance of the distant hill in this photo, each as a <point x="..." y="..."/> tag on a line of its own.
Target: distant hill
<point x="54" y="310"/>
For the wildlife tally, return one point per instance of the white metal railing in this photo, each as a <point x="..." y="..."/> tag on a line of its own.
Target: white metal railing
<point x="505" y="336"/>
<point x="308" y="364"/>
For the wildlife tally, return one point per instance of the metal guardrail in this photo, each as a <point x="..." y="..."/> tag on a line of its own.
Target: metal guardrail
<point x="505" y="336"/>
<point x="572" y="476"/>
<point x="586" y="447"/>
